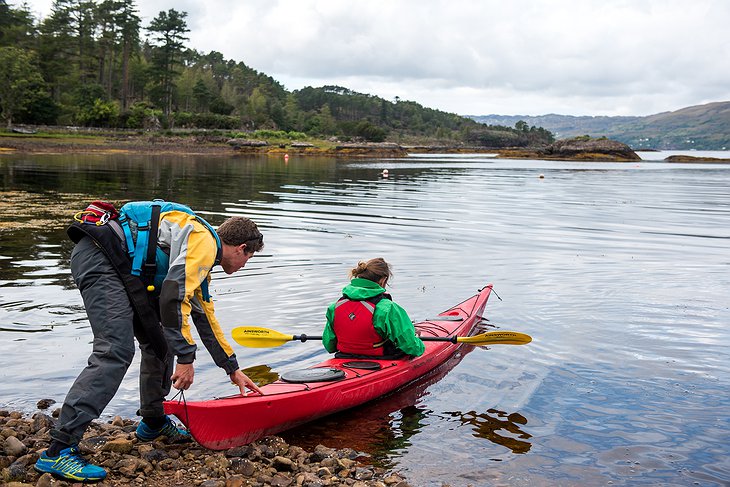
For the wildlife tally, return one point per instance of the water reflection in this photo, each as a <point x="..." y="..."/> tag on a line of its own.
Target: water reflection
<point x="383" y="428"/>
<point x="261" y="374"/>
<point x="494" y="426"/>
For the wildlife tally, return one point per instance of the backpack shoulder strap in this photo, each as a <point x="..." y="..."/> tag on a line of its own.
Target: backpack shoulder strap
<point x="150" y="264"/>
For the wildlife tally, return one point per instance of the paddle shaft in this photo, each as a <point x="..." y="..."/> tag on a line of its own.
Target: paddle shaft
<point x="305" y="337"/>
<point x="439" y="339"/>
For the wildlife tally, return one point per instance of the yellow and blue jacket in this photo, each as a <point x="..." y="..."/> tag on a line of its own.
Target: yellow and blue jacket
<point x="192" y="251"/>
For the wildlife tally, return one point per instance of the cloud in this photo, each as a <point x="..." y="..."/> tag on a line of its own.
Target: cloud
<point x="593" y="57"/>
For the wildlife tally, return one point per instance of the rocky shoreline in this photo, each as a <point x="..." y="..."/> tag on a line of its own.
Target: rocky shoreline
<point x="269" y="461"/>
<point x="206" y="145"/>
<point x="577" y="149"/>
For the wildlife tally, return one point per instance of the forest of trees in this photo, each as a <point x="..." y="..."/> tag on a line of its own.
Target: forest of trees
<point x="93" y="63"/>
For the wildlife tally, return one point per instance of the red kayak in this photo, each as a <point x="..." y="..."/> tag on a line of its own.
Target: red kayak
<point x="325" y="388"/>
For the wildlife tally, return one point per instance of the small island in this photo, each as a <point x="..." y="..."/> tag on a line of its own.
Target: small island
<point x="697" y="159"/>
<point x="583" y="148"/>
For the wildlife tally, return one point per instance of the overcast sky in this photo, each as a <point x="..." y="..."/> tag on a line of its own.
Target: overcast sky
<point x="477" y="57"/>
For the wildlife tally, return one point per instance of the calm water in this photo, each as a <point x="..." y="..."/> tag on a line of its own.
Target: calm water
<point x="620" y="272"/>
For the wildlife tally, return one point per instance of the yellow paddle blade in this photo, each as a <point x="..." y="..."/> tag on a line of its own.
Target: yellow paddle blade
<point x="258" y="337"/>
<point x="497" y="338"/>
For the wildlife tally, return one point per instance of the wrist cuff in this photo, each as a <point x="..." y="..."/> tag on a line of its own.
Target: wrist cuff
<point x="188" y="358"/>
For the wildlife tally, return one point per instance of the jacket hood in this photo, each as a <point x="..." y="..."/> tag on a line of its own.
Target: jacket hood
<point x="361" y="289"/>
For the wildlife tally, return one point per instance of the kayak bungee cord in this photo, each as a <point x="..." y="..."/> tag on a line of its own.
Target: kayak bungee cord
<point x="430" y="327"/>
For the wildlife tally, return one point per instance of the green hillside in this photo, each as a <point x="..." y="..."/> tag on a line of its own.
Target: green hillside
<point x="698" y="127"/>
<point x="701" y="127"/>
<point x="93" y="63"/>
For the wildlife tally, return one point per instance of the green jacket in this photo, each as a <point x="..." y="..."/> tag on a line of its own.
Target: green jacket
<point x="390" y="320"/>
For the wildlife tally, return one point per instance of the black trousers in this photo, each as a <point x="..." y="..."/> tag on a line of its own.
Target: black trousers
<point x="111" y="317"/>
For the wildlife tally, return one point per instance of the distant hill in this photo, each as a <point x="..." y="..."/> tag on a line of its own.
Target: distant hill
<point x="702" y="127"/>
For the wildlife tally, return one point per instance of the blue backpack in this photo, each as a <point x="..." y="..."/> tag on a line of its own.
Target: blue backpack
<point x="140" y="221"/>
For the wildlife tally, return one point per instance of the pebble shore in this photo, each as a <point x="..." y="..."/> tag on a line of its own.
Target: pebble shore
<point x="113" y="445"/>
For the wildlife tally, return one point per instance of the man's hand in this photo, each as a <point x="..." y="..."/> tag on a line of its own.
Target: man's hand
<point x="242" y="381"/>
<point x="182" y="379"/>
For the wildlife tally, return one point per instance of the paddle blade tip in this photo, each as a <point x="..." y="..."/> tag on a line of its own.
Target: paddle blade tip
<point x="498" y="338"/>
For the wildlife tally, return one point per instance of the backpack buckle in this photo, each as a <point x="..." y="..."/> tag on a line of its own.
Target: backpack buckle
<point x="104" y="218"/>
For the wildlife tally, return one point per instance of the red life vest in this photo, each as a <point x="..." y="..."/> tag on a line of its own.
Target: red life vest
<point x="353" y="325"/>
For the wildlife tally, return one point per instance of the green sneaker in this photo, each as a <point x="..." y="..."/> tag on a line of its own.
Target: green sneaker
<point x="70" y="465"/>
<point x="169" y="430"/>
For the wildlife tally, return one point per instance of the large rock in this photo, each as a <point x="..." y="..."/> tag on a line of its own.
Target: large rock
<point x="369" y="145"/>
<point x="374" y="149"/>
<point x="240" y="143"/>
<point x="590" y="149"/>
<point x="14" y="447"/>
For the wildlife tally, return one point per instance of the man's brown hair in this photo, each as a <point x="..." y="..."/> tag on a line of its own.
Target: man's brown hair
<point x="239" y="230"/>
